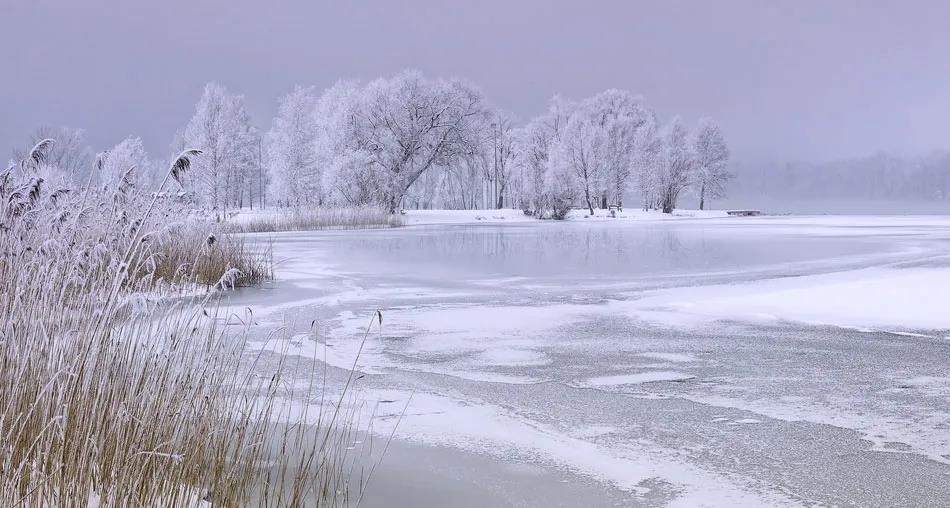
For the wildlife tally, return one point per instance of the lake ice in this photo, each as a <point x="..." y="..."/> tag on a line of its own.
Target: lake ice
<point x="716" y="361"/>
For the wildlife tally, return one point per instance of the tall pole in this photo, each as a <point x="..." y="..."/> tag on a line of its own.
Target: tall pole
<point x="494" y="136"/>
<point x="260" y="170"/>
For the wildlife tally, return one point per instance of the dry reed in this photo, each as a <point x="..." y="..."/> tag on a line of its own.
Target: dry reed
<point x="108" y="397"/>
<point x="313" y="219"/>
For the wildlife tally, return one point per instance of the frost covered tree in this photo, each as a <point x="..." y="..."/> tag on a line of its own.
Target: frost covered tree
<point x="560" y="182"/>
<point x="69" y="158"/>
<point x="647" y="162"/>
<point x="575" y="156"/>
<point x="711" y="156"/>
<point x="291" y="148"/>
<point x="463" y="181"/>
<point x="221" y="128"/>
<point x="676" y="165"/>
<point x="532" y="147"/>
<point x="346" y="173"/>
<point x="408" y="124"/>
<point x="116" y="163"/>
<point x="491" y="154"/>
<point x="618" y="115"/>
<point x="411" y="141"/>
<point x="599" y="145"/>
<point x="242" y="145"/>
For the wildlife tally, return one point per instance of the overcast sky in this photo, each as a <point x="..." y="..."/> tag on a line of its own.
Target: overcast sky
<point x="785" y="79"/>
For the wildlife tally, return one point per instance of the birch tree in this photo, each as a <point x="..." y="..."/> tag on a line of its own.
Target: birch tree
<point x="576" y="156"/>
<point x="221" y="128"/>
<point x="676" y="166"/>
<point x="712" y="155"/>
<point x="647" y="162"/>
<point x="292" y="150"/>
<point x="118" y="160"/>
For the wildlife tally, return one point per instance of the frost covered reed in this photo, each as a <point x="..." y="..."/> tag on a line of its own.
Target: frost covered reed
<point x="313" y="219"/>
<point x="110" y="398"/>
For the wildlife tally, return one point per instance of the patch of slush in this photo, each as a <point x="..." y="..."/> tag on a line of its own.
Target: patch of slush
<point x="923" y="433"/>
<point x="459" y="329"/>
<point x="638" y="378"/>
<point x="509" y="357"/>
<point x="669" y="357"/>
<point x="462" y="340"/>
<point x="933" y="386"/>
<point x="747" y="420"/>
<point x="370" y="360"/>
<point x="437" y="420"/>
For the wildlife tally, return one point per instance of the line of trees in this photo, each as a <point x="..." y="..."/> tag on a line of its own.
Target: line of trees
<point x="409" y="141"/>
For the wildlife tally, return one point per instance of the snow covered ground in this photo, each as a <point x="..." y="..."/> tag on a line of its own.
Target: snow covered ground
<point x="431" y="217"/>
<point x="728" y="362"/>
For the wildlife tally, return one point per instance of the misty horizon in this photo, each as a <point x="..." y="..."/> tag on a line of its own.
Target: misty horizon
<point x="791" y="82"/>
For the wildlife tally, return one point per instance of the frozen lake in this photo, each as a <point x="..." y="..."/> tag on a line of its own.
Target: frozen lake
<point x="729" y="361"/>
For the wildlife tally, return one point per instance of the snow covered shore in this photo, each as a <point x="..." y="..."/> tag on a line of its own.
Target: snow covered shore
<point x="432" y="217"/>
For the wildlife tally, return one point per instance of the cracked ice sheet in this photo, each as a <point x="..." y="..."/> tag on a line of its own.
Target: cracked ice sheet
<point x="437" y="420"/>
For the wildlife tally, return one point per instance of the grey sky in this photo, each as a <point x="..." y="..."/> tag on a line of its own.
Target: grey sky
<point x="786" y="80"/>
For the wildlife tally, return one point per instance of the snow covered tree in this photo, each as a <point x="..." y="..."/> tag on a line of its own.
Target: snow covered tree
<point x="618" y="115"/>
<point x="532" y="145"/>
<point x="712" y="155"/>
<point x="292" y="157"/>
<point x="676" y="164"/>
<point x="69" y="158"/>
<point x="242" y="145"/>
<point x="346" y="173"/>
<point x="647" y="162"/>
<point x="221" y="128"/>
<point x="408" y="124"/>
<point x="118" y="160"/>
<point x="599" y="144"/>
<point x="575" y="156"/>
<point x="560" y="181"/>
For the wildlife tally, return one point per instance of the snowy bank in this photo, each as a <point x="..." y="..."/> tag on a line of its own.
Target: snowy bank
<point x="433" y="217"/>
<point x="875" y="298"/>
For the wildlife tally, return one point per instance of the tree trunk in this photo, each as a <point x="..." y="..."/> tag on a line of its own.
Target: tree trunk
<point x="668" y="202"/>
<point x="702" y="196"/>
<point x="260" y="170"/>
